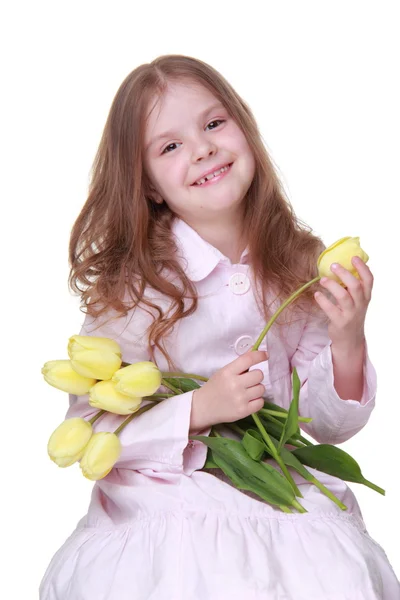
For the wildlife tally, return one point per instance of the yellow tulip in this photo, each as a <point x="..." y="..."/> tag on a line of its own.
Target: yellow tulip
<point x="341" y="252"/>
<point x="67" y="443"/>
<point x="96" y="357"/>
<point x="101" y="454"/>
<point x="104" y="395"/>
<point x="61" y="375"/>
<point x="138" y="380"/>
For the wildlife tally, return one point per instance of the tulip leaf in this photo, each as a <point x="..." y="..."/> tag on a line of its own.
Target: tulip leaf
<point x="292" y="461"/>
<point x="291" y="425"/>
<point x="210" y="462"/>
<point x="248" y="474"/>
<point x="182" y="383"/>
<point x="254" y="444"/>
<point x="333" y="461"/>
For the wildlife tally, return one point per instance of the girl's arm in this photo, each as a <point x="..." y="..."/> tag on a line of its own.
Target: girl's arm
<point x="335" y="419"/>
<point x="158" y="438"/>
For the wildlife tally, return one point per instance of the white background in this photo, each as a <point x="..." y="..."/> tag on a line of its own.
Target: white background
<point x="321" y="79"/>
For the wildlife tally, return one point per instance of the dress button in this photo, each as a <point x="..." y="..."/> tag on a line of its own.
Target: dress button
<point x="243" y="344"/>
<point x="239" y="283"/>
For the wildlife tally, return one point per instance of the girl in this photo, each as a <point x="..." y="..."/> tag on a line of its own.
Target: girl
<point x="185" y="246"/>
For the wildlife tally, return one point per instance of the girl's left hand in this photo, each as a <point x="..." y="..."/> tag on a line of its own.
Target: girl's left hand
<point x="347" y="317"/>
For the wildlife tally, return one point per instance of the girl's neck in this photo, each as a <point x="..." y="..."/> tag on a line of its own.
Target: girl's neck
<point x="224" y="235"/>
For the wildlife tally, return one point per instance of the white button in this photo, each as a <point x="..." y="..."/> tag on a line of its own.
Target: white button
<point x="243" y="344"/>
<point x="239" y="283"/>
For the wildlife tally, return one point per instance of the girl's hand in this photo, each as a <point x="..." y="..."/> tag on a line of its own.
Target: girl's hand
<point x="230" y="394"/>
<point x="346" y="327"/>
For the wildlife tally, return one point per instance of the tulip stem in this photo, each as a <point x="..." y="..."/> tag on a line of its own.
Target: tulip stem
<point x="188" y="375"/>
<point x="280" y="309"/>
<point x="99" y="414"/>
<point x="133" y="415"/>
<point x="278" y="413"/>
<point x="275" y="454"/>
<point x="171" y="387"/>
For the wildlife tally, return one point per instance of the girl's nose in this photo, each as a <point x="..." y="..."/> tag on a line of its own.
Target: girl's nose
<point x="202" y="149"/>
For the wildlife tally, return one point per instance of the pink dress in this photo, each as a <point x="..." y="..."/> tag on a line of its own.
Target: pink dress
<point x="158" y="528"/>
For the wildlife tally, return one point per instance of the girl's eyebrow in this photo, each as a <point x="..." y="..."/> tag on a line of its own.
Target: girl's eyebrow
<point x="170" y="133"/>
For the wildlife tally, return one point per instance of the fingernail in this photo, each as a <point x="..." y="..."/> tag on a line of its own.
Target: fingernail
<point x="324" y="279"/>
<point x="334" y="266"/>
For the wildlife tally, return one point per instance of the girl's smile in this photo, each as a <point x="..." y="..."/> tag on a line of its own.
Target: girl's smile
<point x="214" y="176"/>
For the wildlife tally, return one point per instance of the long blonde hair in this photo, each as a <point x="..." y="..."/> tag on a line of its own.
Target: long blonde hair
<point x="121" y="241"/>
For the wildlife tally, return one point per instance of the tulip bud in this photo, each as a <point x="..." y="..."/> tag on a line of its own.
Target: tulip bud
<point x="67" y="443"/>
<point x="101" y="454"/>
<point x="138" y="380"/>
<point x="104" y="395"/>
<point x="341" y="252"/>
<point x="61" y="375"/>
<point x="96" y="357"/>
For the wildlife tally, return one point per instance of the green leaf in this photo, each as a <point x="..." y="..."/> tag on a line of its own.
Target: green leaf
<point x="182" y="383"/>
<point x="248" y="474"/>
<point x="210" y="462"/>
<point x="291" y="425"/>
<point x="333" y="461"/>
<point x="292" y="461"/>
<point x="254" y="444"/>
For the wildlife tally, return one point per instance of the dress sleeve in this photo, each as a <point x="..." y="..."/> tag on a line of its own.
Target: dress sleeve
<point x="158" y="439"/>
<point x="335" y="420"/>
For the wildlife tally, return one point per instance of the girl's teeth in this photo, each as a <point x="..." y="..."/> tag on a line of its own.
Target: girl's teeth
<point x="204" y="179"/>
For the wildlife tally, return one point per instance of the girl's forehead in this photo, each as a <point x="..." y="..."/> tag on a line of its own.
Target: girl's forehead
<point x="179" y="101"/>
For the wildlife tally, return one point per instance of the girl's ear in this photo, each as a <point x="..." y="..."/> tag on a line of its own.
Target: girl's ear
<point x="153" y="195"/>
<point x="156" y="197"/>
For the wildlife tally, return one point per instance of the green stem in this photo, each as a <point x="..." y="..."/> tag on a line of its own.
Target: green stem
<point x="97" y="416"/>
<point x="161" y="396"/>
<point x="327" y="492"/>
<point x="171" y="387"/>
<point x="280" y="309"/>
<point x="215" y="433"/>
<point x="275" y="454"/>
<point x="133" y="415"/>
<point x="299" y="507"/>
<point x="188" y="375"/>
<point x="235" y="428"/>
<point x="296" y="437"/>
<point x="278" y="413"/>
<point x="373" y="487"/>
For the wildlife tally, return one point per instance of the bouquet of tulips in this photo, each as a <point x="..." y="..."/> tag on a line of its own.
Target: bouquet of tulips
<point x="95" y="367"/>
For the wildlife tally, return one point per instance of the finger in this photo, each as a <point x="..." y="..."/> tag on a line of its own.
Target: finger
<point x="366" y="277"/>
<point x="353" y="284"/>
<point x="333" y="312"/>
<point x="341" y="295"/>
<point x="255" y="393"/>
<point x="251" y="377"/>
<point x="256" y="405"/>
<point x="247" y="360"/>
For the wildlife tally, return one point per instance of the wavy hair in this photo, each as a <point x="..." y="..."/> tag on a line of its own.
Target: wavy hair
<point x="121" y="241"/>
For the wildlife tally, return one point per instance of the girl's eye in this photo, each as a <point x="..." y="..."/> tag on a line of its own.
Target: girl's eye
<point x="168" y="148"/>
<point x="216" y="121"/>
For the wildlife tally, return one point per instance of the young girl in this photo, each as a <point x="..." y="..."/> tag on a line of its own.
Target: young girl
<point x="184" y="247"/>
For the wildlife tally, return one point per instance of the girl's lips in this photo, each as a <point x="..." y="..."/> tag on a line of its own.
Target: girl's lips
<point x="214" y="179"/>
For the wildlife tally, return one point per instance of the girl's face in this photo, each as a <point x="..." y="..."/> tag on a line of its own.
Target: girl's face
<point x="188" y="135"/>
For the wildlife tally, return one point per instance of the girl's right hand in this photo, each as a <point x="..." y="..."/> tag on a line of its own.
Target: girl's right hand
<point x="232" y="393"/>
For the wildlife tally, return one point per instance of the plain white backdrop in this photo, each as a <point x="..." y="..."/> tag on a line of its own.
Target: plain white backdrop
<point x="322" y="81"/>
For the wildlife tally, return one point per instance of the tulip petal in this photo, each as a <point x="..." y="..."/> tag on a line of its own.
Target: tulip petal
<point x="61" y="375"/>
<point x="98" y="364"/>
<point x="101" y="454"/>
<point x="138" y="380"/>
<point x="104" y="395"/>
<point x="68" y="441"/>
<point x="341" y="252"/>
